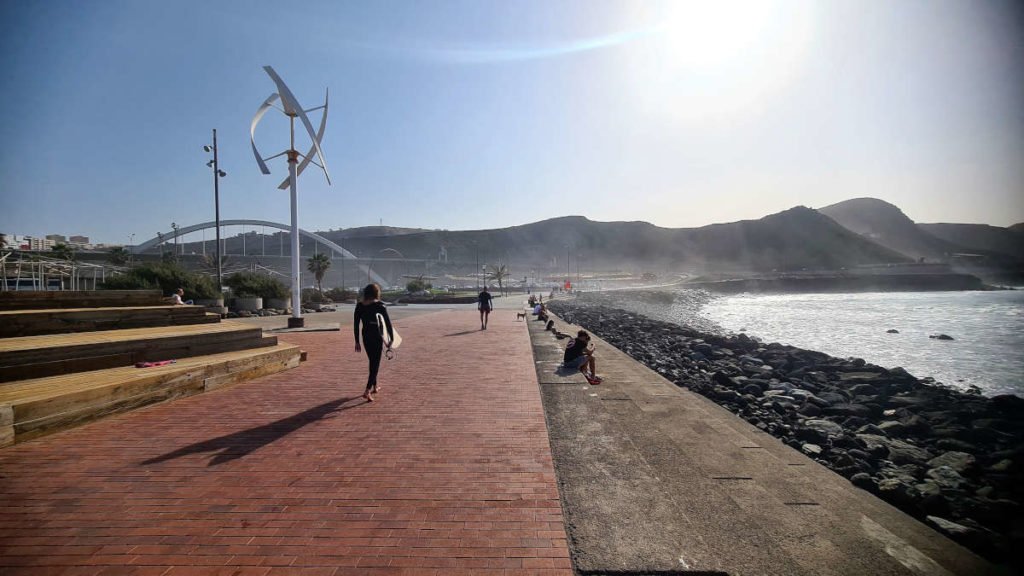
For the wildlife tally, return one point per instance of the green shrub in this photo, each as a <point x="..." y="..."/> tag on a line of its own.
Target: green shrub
<point x="253" y="285"/>
<point x="166" y="277"/>
<point x="312" y="295"/>
<point x="340" y="294"/>
<point x="418" y="285"/>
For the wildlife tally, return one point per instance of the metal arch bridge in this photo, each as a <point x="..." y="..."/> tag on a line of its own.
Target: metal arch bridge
<point x="170" y="236"/>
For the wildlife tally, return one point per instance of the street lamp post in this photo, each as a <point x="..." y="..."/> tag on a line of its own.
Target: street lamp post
<point x="174" y="226"/>
<point x="217" y="175"/>
<point x="568" y="274"/>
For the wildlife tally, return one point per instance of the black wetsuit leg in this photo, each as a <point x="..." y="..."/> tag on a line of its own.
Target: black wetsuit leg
<point x="374" y="346"/>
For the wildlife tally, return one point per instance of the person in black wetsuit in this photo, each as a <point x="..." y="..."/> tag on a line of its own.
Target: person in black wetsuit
<point x="483" y="302"/>
<point x="366" y="313"/>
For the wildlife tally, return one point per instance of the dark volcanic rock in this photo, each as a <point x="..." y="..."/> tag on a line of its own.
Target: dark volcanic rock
<point x="953" y="457"/>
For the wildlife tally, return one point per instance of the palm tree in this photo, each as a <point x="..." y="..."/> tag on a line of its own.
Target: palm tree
<point x="118" y="256"/>
<point x="318" y="265"/>
<point x="499" y="274"/>
<point x="62" y="251"/>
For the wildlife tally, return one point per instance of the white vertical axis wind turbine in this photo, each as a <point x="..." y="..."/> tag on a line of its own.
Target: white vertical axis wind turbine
<point x="290" y="107"/>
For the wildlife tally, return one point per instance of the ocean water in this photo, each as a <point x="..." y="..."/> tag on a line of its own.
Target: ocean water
<point x="988" y="327"/>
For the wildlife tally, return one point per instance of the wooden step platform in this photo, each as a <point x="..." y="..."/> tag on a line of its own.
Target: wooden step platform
<point x="27" y="300"/>
<point x="52" y="354"/>
<point x="31" y="408"/>
<point x="15" y="323"/>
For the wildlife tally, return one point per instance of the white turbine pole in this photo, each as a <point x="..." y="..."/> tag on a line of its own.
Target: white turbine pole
<point x="293" y="160"/>
<point x="292" y="109"/>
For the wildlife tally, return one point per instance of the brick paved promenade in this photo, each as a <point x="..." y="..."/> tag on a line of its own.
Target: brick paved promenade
<point x="448" y="473"/>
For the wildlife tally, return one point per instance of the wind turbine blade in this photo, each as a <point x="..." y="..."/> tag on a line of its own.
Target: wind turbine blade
<point x="252" y="131"/>
<point x="292" y="108"/>
<point x="309" y="155"/>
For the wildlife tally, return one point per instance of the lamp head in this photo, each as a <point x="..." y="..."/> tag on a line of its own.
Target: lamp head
<point x="209" y="164"/>
<point x="221" y="173"/>
<point x="207" y="149"/>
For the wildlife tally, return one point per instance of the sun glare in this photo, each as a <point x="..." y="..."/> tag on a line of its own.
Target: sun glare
<point x="720" y="60"/>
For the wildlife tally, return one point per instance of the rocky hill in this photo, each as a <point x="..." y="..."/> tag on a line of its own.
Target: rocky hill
<point x="794" y="239"/>
<point x="981" y="237"/>
<point x="887" y="225"/>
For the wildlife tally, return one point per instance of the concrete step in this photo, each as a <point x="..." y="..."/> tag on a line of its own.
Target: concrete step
<point x="32" y="408"/>
<point x="15" y="323"/>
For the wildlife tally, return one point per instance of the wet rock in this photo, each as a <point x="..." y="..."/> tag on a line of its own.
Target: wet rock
<point x="809" y="409"/>
<point x="827" y="426"/>
<point x="723" y="379"/>
<point x="1008" y="404"/>
<point x="871" y="429"/>
<point x="893" y="428"/>
<point x="705" y="349"/>
<point x="948" y="527"/>
<point x="752" y="389"/>
<point x="811" y="450"/>
<point x="958" y="461"/>
<point x="946" y="478"/>
<point x="1004" y="465"/>
<point x="811" y="435"/>
<point x="941" y="337"/>
<point x="903" y="453"/>
<point x="892" y="331"/>
<point x="862" y="390"/>
<point x="848" y="410"/>
<point x="898" y="492"/>
<point x="864" y="481"/>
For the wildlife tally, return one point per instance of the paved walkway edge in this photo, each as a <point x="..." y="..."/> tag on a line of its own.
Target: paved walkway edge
<point x="655" y="479"/>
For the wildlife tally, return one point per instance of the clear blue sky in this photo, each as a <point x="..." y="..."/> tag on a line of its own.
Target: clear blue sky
<point x="484" y="114"/>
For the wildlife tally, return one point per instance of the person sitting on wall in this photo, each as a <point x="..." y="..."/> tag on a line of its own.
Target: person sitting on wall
<point x="176" y="298"/>
<point x="580" y="356"/>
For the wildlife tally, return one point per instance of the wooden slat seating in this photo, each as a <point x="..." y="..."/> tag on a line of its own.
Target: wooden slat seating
<point x="67" y="358"/>
<point x="27" y="300"/>
<point x="52" y="354"/>
<point x="31" y="408"/>
<point x="15" y="323"/>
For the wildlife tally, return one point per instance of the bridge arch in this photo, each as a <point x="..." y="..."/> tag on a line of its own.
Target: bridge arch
<point x="170" y="236"/>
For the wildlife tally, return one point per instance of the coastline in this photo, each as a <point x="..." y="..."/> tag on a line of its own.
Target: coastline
<point x="949" y="458"/>
<point x="926" y="282"/>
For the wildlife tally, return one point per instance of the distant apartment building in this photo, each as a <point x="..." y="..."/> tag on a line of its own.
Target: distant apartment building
<point x="57" y="238"/>
<point x="40" y="244"/>
<point x="80" y="242"/>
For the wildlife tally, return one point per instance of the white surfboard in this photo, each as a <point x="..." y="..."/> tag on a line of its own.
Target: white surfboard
<point x="388" y="342"/>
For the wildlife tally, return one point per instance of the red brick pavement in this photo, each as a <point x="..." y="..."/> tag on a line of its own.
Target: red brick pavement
<point x="448" y="473"/>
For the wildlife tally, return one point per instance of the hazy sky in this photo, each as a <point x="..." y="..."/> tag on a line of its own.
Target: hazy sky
<point x="483" y="114"/>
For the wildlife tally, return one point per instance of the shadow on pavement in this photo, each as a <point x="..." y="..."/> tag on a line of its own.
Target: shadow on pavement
<point x="241" y="443"/>
<point x="463" y="333"/>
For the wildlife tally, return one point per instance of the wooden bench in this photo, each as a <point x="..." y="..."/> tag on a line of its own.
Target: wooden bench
<point x="15" y="323"/>
<point x="27" y="300"/>
<point x="30" y="408"/>
<point x="52" y="354"/>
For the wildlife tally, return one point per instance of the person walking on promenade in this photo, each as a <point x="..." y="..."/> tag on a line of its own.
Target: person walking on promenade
<point x="483" y="302"/>
<point x="372" y="313"/>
